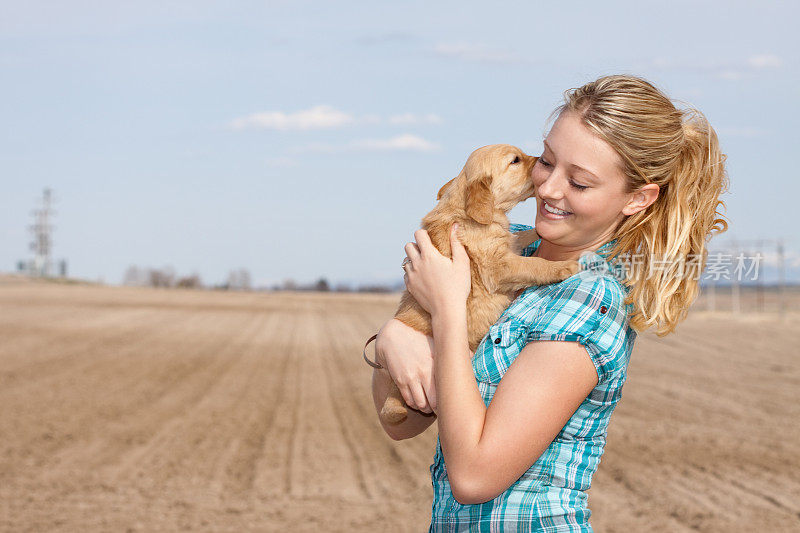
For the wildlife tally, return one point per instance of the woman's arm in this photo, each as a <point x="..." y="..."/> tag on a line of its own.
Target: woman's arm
<point x="486" y="450"/>
<point x="407" y="355"/>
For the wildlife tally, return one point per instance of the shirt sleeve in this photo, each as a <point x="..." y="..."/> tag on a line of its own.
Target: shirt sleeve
<point x="516" y="228"/>
<point x="590" y="311"/>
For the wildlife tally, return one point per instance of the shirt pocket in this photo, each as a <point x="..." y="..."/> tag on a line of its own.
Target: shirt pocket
<point x="499" y="349"/>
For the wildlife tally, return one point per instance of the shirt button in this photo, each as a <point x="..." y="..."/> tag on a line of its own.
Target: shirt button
<point x="603" y="309"/>
<point x="497" y="340"/>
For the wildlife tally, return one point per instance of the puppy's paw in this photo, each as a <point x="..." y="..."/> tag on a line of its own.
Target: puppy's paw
<point x="566" y="269"/>
<point x="394" y="413"/>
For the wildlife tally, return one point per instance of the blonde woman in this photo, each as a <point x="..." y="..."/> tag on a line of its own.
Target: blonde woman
<point x="629" y="186"/>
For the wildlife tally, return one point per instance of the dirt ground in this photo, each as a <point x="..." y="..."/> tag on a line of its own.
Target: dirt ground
<point x="127" y="409"/>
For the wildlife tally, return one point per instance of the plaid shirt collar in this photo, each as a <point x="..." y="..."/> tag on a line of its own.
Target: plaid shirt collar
<point x="591" y="261"/>
<point x="616" y="268"/>
<point x="603" y="251"/>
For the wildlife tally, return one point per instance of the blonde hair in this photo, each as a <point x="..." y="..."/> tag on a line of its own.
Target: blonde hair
<point x="678" y="150"/>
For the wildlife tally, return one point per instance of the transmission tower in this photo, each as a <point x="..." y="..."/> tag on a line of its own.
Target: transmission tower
<point x="42" y="243"/>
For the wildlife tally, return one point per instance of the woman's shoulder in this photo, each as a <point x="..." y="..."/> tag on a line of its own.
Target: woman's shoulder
<point x="585" y="297"/>
<point x="598" y="275"/>
<point x="595" y="284"/>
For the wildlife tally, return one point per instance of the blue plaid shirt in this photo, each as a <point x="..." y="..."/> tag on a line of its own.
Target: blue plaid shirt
<point x="551" y="495"/>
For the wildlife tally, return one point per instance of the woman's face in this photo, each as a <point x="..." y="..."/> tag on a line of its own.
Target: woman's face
<point x="581" y="192"/>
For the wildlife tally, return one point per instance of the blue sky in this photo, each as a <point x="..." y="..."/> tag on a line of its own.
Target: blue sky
<point x="306" y="139"/>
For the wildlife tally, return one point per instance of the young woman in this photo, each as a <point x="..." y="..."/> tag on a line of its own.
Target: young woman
<point x="629" y="186"/>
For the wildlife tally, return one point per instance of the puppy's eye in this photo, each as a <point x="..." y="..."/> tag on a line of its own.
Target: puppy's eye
<point x="516" y="160"/>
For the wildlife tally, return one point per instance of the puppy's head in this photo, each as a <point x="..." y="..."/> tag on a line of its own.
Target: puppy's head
<point x="497" y="176"/>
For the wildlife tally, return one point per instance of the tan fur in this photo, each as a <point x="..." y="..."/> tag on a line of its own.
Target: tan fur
<point x="479" y="198"/>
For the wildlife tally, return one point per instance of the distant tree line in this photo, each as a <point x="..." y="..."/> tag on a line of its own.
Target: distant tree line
<point x="238" y="280"/>
<point x="159" y="277"/>
<point x="322" y="284"/>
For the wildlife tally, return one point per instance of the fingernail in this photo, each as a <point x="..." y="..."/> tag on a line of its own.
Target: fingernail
<point x="455" y="226"/>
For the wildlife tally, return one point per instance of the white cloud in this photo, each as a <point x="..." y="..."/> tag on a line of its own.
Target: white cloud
<point x="400" y="143"/>
<point x="764" y="61"/>
<point x="410" y="118"/>
<point x="315" y="118"/>
<point x="474" y="52"/>
<point x="325" y="117"/>
<point x="730" y="75"/>
<point x="732" y="70"/>
<point x="407" y="142"/>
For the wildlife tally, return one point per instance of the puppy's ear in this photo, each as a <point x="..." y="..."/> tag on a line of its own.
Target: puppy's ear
<point x="445" y="186"/>
<point x="480" y="200"/>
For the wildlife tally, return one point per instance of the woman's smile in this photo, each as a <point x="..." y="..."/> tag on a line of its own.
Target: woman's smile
<point x="552" y="212"/>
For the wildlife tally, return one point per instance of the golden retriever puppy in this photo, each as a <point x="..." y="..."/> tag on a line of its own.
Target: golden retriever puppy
<point x="494" y="179"/>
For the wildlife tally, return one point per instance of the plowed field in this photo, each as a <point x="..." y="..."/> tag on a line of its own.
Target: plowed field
<point x="127" y="409"/>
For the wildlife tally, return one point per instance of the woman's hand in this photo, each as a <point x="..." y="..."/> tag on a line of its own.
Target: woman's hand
<point x="408" y="356"/>
<point x="437" y="282"/>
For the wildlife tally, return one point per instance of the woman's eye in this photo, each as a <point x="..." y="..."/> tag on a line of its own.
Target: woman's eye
<point x="578" y="186"/>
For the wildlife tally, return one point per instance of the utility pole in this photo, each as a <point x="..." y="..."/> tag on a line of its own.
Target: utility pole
<point x="759" y="279"/>
<point x="781" y="280"/>
<point x="42" y="242"/>
<point x="735" y="302"/>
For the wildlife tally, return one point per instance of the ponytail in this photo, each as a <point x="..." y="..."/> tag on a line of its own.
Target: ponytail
<point x="666" y="246"/>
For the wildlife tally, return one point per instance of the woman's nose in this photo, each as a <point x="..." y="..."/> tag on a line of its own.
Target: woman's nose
<point x="551" y="187"/>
